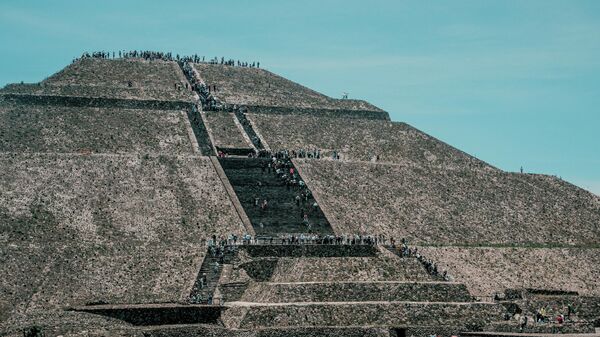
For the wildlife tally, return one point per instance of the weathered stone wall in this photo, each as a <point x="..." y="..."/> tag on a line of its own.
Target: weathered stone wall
<point x="545" y="328"/>
<point x="260" y="270"/>
<point x="225" y="133"/>
<point x="586" y="307"/>
<point x="106" y="95"/>
<point x="40" y="128"/>
<point x="267" y="292"/>
<point x="491" y="270"/>
<point x="122" y="78"/>
<point x="348" y="269"/>
<point x="216" y="331"/>
<point x="68" y="324"/>
<point x="374" y="314"/>
<point x="76" y="229"/>
<point x="93" y="102"/>
<point x="318" y="112"/>
<point x="231" y="292"/>
<point x="441" y="206"/>
<point x="258" y="87"/>
<point x="361" y="140"/>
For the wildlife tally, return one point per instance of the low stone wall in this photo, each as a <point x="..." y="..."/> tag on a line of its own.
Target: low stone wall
<point x="435" y="330"/>
<point x="260" y="270"/>
<point x="231" y="292"/>
<point x="548" y="328"/>
<point x="589" y="308"/>
<point x="310" y="250"/>
<point x="356" y="291"/>
<point x="66" y="323"/>
<point x="216" y="331"/>
<point x="375" y="314"/>
<point x="342" y="269"/>
<point x="317" y="112"/>
<point x="97" y="102"/>
<point x="586" y="307"/>
<point x="78" y="90"/>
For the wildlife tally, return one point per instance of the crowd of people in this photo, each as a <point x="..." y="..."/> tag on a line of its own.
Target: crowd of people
<point x="542" y="316"/>
<point x="240" y="114"/>
<point x="233" y="63"/>
<point x="429" y="265"/>
<point x="294" y="239"/>
<point x="291" y="154"/>
<point x="282" y="167"/>
<point x="198" y="86"/>
<point x="316" y="239"/>
<point x="137" y="54"/>
<point x="157" y="55"/>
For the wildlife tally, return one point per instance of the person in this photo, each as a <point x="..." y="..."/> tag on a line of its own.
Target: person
<point x="570" y="310"/>
<point x="522" y="322"/>
<point x="202" y="281"/>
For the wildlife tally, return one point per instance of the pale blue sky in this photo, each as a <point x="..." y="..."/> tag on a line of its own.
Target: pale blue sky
<point x="511" y="82"/>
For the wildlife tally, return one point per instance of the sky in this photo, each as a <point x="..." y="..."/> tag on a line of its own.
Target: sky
<point x="512" y="82"/>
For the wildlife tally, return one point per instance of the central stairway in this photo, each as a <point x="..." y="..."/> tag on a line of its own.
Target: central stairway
<point x="252" y="180"/>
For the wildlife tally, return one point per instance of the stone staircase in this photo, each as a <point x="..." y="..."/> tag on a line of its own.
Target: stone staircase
<point x="240" y="114"/>
<point x="200" y="132"/>
<point x="195" y="117"/>
<point x="209" y="274"/>
<point x="283" y="216"/>
<point x="396" y="250"/>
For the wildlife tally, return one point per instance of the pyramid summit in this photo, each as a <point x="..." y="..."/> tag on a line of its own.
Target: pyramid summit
<point x="146" y="194"/>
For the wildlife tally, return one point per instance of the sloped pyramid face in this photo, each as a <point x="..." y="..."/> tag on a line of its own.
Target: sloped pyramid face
<point x="118" y="218"/>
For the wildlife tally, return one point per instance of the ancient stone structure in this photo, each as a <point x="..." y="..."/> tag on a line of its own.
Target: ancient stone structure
<point x="117" y="218"/>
